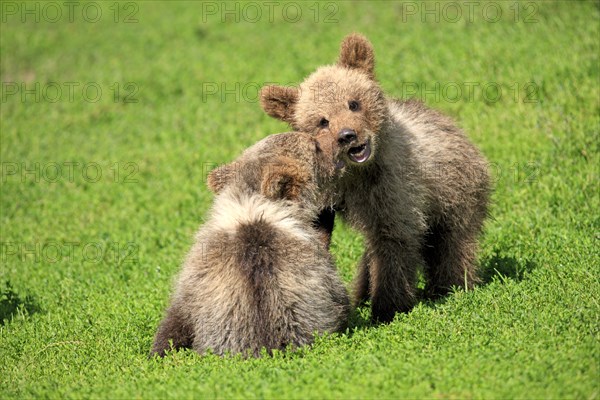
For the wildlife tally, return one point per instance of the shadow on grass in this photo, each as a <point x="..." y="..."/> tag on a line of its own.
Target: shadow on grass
<point x="360" y="318"/>
<point x="11" y="302"/>
<point x="493" y="267"/>
<point x="497" y="265"/>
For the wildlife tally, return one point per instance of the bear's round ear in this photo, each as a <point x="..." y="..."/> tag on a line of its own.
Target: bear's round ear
<point x="283" y="179"/>
<point x="356" y="52"/>
<point x="219" y="177"/>
<point x="279" y="101"/>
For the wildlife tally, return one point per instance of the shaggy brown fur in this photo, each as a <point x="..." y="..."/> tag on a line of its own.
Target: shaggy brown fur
<point x="412" y="182"/>
<point x="260" y="274"/>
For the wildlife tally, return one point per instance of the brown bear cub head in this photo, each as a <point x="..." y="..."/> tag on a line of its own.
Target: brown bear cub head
<point x="342" y="101"/>
<point x="294" y="167"/>
<point x="291" y="166"/>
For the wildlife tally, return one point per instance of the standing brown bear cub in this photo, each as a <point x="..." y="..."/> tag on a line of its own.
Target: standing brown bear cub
<point x="411" y="180"/>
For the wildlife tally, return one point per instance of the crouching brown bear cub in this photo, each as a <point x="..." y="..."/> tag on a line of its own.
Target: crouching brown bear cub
<point x="412" y="182"/>
<point x="260" y="273"/>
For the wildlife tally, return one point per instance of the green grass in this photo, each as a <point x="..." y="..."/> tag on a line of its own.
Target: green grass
<point x="87" y="266"/>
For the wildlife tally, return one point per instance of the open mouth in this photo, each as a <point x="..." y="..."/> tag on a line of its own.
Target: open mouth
<point x="360" y="154"/>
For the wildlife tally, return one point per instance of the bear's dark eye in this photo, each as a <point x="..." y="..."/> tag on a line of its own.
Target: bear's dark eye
<point x="353" y="105"/>
<point x="323" y="123"/>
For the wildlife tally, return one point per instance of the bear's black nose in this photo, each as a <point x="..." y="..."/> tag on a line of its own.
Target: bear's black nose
<point x="346" y="136"/>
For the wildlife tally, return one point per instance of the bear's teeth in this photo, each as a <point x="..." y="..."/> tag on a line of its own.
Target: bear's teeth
<point x="360" y="154"/>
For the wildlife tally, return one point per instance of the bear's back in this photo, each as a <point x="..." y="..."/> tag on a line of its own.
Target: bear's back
<point x="452" y="170"/>
<point x="258" y="277"/>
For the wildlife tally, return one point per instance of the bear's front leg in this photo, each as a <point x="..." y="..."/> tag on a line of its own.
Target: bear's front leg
<point x="362" y="282"/>
<point x="393" y="274"/>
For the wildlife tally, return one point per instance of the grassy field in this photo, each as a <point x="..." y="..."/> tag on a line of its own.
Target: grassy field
<point x="111" y="116"/>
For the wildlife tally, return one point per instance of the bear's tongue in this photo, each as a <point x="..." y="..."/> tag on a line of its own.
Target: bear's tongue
<point x="361" y="153"/>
